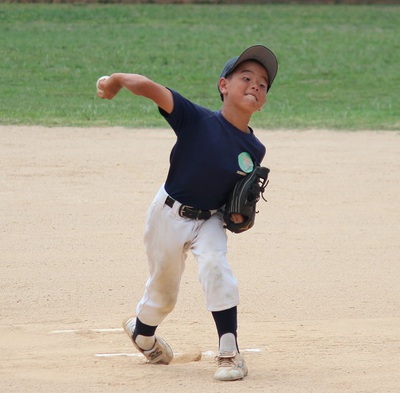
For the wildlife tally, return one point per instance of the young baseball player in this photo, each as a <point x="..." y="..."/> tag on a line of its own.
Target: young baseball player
<point x="214" y="149"/>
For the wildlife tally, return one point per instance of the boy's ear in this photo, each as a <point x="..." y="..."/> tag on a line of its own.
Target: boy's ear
<point x="222" y="85"/>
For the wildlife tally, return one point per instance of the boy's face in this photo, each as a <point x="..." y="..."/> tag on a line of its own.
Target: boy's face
<point x="246" y="87"/>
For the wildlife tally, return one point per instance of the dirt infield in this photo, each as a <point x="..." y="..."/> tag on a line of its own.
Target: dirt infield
<point x="319" y="274"/>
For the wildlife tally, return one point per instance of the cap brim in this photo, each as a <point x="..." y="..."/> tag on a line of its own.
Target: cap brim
<point x="264" y="56"/>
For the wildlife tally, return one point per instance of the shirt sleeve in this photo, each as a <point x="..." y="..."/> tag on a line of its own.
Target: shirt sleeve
<point x="184" y="114"/>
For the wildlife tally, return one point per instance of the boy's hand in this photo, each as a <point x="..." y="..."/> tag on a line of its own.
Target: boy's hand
<point x="107" y="87"/>
<point x="237" y="218"/>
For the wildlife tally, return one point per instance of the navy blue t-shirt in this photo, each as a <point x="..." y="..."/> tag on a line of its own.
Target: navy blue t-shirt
<point x="209" y="157"/>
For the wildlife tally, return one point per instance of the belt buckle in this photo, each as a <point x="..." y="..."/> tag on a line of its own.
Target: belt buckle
<point x="193" y="213"/>
<point x="182" y="210"/>
<point x="189" y="212"/>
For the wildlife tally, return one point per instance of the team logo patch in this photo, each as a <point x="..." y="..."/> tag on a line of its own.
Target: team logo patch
<point x="245" y="162"/>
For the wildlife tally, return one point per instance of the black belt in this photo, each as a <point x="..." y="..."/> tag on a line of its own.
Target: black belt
<point x="188" y="211"/>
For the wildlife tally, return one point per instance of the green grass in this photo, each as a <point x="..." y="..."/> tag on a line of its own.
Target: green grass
<point x="338" y="64"/>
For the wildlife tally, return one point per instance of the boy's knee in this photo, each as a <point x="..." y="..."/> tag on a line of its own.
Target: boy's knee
<point x="214" y="271"/>
<point x="168" y="304"/>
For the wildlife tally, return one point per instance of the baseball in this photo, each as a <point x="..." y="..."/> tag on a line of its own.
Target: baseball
<point x="97" y="84"/>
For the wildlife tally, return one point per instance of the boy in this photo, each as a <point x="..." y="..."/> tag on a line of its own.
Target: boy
<point x="214" y="149"/>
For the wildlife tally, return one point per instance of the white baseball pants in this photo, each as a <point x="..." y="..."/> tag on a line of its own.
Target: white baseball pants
<point x="168" y="238"/>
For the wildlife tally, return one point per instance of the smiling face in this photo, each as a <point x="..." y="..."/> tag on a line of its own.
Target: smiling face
<point x="246" y="88"/>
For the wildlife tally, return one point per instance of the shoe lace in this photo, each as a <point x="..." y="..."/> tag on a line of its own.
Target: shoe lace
<point x="224" y="361"/>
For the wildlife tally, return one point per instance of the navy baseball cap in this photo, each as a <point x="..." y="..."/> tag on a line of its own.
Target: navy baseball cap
<point x="259" y="53"/>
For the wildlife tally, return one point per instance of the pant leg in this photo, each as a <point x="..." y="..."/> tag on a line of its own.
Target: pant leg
<point x="166" y="238"/>
<point x="215" y="275"/>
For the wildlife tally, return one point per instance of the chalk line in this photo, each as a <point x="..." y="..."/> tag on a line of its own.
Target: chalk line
<point x="110" y="330"/>
<point x="114" y="330"/>
<point x="205" y="353"/>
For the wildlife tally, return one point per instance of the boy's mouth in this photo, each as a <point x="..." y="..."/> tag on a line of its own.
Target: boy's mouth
<point x="252" y="95"/>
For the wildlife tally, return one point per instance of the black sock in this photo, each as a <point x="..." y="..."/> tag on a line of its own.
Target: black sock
<point x="143" y="329"/>
<point x="226" y="322"/>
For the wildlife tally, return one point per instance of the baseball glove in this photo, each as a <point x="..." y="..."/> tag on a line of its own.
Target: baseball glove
<point x="243" y="199"/>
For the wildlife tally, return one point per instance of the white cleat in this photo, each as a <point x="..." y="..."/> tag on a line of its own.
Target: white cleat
<point x="231" y="367"/>
<point x="161" y="353"/>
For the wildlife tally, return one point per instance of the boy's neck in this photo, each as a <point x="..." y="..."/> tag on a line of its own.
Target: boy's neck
<point x="238" y="120"/>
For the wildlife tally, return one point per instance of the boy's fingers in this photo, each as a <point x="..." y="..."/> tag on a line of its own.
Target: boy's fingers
<point x="99" y="83"/>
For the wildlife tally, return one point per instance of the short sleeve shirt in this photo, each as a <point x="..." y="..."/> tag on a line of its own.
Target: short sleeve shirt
<point x="210" y="155"/>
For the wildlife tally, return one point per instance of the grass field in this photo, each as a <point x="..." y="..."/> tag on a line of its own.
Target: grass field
<point x="338" y="64"/>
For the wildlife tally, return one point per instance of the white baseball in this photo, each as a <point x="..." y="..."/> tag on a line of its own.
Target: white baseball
<point x="98" y="81"/>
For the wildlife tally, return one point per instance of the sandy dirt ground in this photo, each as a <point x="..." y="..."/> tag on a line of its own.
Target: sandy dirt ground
<point x="319" y="274"/>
